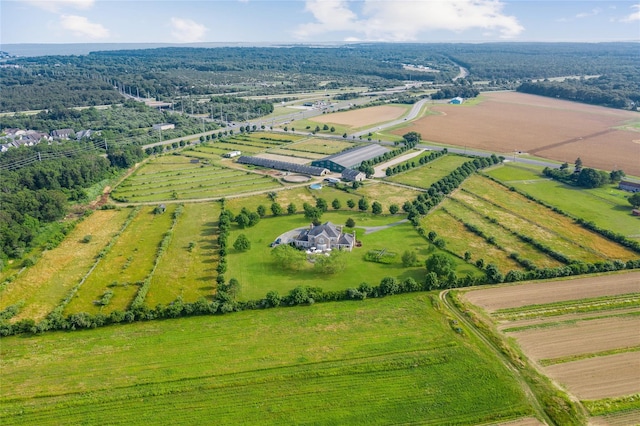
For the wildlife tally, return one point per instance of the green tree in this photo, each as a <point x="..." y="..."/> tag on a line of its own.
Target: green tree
<point x="432" y="235"/>
<point x="634" y="200"/>
<point x="412" y="137"/>
<point x="591" y="178"/>
<point x="291" y="208"/>
<point x="242" y="243"/>
<point x="262" y="210"/>
<point x="409" y="258"/>
<point x="350" y="223"/>
<point x="493" y="274"/>
<point x="272" y="299"/>
<point x="376" y="207"/>
<point x="393" y="208"/>
<point x="578" y="163"/>
<point x="350" y="203"/>
<point x="313" y="214"/>
<point x="325" y="127"/>
<point x="287" y="257"/>
<point x="335" y="262"/>
<point x="363" y="204"/>
<point x="276" y="209"/>
<point x="336" y="204"/>
<point x="440" y="264"/>
<point x="389" y="286"/>
<point x="321" y="203"/>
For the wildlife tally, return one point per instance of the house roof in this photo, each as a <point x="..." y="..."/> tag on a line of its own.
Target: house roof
<point x="355" y="156"/>
<point x="350" y="174"/>
<point x="629" y="184"/>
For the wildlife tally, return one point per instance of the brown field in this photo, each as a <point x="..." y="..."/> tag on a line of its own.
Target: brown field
<point x="534" y="293"/>
<point x="583" y="337"/>
<point x="619" y="419"/>
<point x="362" y="117"/>
<point x="600" y="377"/>
<point x="506" y="122"/>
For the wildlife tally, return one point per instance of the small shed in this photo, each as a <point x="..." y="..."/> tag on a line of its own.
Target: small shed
<point x="629" y="186"/>
<point x="635" y="212"/>
<point x="456" y="101"/>
<point x="232" y="154"/>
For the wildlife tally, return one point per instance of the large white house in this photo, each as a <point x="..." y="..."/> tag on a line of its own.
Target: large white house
<point x="325" y="236"/>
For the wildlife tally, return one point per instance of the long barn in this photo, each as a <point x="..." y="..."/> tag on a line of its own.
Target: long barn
<point x="350" y="159"/>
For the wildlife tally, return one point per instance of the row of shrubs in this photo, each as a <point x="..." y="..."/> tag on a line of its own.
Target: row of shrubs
<point x="367" y="166"/>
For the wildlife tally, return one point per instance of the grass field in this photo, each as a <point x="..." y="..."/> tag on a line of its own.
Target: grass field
<point x="423" y="177"/>
<point x="379" y="361"/>
<point x="174" y="177"/>
<point x="127" y="264"/>
<point x="184" y="271"/>
<point x="43" y="286"/>
<point x="251" y="267"/>
<point x="607" y="207"/>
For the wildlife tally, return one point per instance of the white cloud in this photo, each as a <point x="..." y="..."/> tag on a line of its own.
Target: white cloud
<point x="405" y="20"/>
<point x="186" y="30"/>
<point x="635" y="16"/>
<point x="80" y="26"/>
<point x="593" y="12"/>
<point x="56" y="5"/>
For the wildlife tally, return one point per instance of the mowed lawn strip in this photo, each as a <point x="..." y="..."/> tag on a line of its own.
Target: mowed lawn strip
<point x="377" y="361"/>
<point x="188" y="268"/>
<point x="126" y="265"/>
<point x="426" y="175"/>
<point x="43" y="286"/>
<point x="607" y="207"/>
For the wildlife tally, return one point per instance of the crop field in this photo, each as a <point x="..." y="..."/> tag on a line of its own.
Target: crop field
<point x="582" y="332"/>
<point x="125" y="266"/>
<point x="507" y="122"/>
<point x="424" y="176"/>
<point x="175" y="178"/>
<point x="45" y="284"/>
<point x="607" y="207"/>
<point x="188" y="267"/>
<point x="362" y="117"/>
<point x="515" y="212"/>
<point x="379" y="361"/>
<point x="459" y="241"/>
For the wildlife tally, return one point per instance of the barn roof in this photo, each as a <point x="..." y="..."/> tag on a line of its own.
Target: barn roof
<point x="283" y="165"/>
<point x="355" y="156"/>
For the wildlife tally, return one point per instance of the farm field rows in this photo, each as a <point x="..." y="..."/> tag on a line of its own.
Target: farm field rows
<point x="507" y="122"/>
<point x="44" y="285"/>
<point x="581" y="337"/>
<point x="125" y="266"/>
<point x="607" y="207"/>
<point x="176" y="178"/>
<point x="294" y="362"/>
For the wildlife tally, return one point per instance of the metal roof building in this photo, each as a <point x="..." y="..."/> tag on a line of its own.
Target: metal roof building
<point x="283" y="165"/>
<point x="350" y="159"/>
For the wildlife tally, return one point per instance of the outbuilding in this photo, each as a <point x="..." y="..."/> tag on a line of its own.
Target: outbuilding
<point x="350" y="159"/>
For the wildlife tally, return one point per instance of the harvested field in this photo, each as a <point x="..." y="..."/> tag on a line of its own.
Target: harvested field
<point x="560" y="130"/>
<point x="362" y="117"/>
<point x="583" y="337"/>
<point x="601" y="377"/>
<point x="534" y="293"/>
<point x="527" y="421"/>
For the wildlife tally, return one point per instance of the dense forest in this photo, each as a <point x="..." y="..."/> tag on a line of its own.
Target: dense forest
<point x="171" y="74"/>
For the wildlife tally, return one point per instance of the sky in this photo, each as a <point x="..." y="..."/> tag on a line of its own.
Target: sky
<point x="316" y="21"/>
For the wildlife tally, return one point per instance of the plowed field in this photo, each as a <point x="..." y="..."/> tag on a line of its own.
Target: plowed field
<point x="560" y="130"/>
<point x="534" y="293"/>
<point x="601" y="377"/>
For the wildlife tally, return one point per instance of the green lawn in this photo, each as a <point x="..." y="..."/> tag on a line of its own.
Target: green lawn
<point x="250" y="268"/>
<point x="607" y="207"/>
<point x="381" y="361"/>
<point x="424" y="176"/>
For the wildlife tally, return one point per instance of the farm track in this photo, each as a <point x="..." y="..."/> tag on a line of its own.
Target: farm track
<point x="531" y="397"/>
